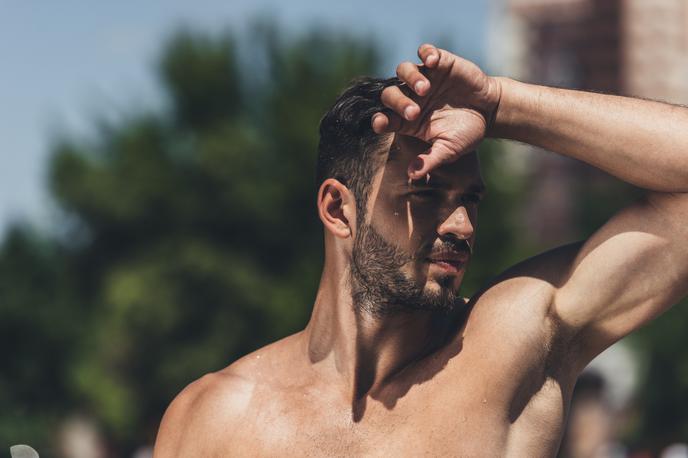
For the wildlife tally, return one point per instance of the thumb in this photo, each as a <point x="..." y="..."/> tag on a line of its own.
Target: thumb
<point x="439" y="154"/>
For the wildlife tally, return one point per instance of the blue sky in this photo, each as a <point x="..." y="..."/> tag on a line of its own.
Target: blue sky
<point x="64" y="64"/>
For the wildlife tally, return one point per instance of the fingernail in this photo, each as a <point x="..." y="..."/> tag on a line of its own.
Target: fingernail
<point x="416" y="165"/>
<point x="420" y="85"/>
<point x="432" y="58"/>
<point x="408" y="112"/>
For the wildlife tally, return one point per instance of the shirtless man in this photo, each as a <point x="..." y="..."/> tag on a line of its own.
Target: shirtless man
<point x="393" y="362"/>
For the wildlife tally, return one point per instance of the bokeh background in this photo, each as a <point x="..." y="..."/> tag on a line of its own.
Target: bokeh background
<point x="157" y="194"/>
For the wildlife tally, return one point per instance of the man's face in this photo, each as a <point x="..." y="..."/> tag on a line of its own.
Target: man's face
<point x="412" y="249"/>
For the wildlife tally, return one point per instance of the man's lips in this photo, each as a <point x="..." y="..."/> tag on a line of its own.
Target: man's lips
<point x="450" y="261"/>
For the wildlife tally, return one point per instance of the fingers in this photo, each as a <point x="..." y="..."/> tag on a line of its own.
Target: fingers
<point x="402" y="106"/>
<point x="399" y="104"/>
<point x="429" y="55"/>
<point x="387" y="122"/>
<point x="410" y="74"/>
<point x="393" y="98"/>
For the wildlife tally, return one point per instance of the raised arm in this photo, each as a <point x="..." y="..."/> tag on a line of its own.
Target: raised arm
<point x="632" y="268"/>
<point x="636" y="265"/>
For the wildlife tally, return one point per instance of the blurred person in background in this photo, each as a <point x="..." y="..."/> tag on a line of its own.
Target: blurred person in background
<point x="394" y="362"/>
<point x="591" y="427"/>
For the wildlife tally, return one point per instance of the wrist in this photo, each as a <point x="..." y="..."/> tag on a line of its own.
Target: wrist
<point x="494" y="97"/>
<point x="510" y="111"/>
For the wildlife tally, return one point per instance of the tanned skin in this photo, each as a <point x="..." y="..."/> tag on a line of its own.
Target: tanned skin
<point x="493" y="378"/>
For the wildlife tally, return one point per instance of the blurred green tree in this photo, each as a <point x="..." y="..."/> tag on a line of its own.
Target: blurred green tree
<point x="662" y="399"/>
<point x="39" y="333"/>
<point x="201" y="241"/>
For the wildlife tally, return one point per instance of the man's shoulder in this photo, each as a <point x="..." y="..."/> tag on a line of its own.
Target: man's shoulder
<point x="218" y="398"/>
<point x="547" y="268"/>
<point x="226" y="390"/>
<point x="528" y="287"/>
<point x="216" y="402"/>
<point x="521" y="303"/>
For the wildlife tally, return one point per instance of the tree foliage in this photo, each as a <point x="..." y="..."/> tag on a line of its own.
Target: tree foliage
<point x="193" y="235"/>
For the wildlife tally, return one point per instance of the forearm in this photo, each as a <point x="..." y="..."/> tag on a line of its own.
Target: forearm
<point x="642" y="142"/>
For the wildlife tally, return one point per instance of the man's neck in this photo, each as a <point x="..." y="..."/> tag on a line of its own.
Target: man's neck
<point x="365" y="352"/>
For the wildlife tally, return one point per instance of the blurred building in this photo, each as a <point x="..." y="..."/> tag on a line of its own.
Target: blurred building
<point x="631" y="47"/>
<point x="634" y="47"/>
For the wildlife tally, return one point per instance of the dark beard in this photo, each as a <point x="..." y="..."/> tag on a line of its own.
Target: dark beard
<point x="380" y="288"/>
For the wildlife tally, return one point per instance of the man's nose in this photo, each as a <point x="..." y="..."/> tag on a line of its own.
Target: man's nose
<point x="457" y="224"/>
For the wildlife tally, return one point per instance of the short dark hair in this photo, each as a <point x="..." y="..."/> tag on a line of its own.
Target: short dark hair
<point x="348" y="145"/>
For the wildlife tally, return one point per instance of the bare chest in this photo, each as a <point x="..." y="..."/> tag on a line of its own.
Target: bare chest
<point x="473" y="416"/>
<point x="491" y="393"/>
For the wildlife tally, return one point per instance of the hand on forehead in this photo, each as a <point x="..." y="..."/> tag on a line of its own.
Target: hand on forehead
<point x="444" y="101"/>
<point x="405" y="149"/>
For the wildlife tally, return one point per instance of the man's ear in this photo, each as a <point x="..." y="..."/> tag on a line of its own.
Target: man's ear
<point x="337" y="208"/>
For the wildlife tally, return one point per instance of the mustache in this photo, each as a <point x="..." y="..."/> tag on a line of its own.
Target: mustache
<point x="451" y="246"/>
<point x="447" y="246"/>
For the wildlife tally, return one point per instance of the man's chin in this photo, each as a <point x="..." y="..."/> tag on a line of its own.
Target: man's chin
<point x="444" y="284"/>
